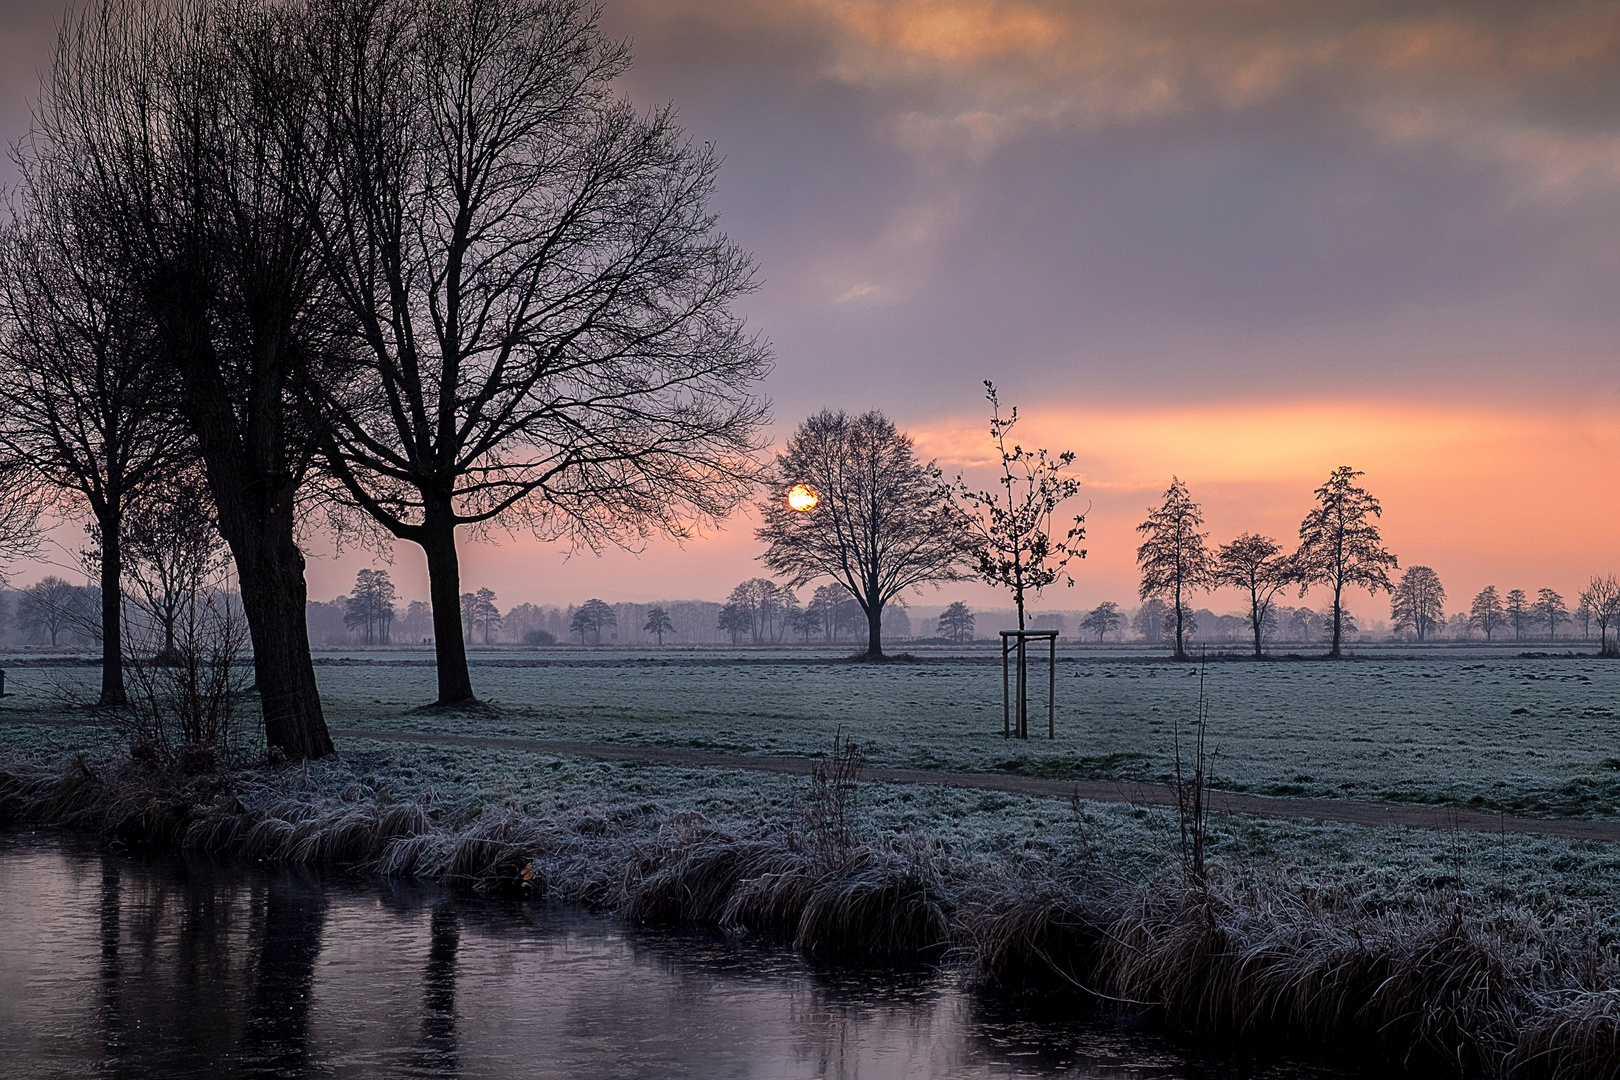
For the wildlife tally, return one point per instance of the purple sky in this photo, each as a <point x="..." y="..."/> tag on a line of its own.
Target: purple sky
<point x="1244" y="242"/>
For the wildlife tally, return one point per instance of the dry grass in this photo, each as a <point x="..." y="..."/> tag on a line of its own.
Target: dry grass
<point x="1437" y="985"/>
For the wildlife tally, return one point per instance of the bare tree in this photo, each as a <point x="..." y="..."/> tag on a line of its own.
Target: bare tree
<point x="1256" y="565"/>
<point x="1340" y="546"/>
<point x="1417" y="601"/>
<point x="1486" y="611"/>
<point x="172" y="548"/>
<point x="370" y="605"/>
<point x="1014" y="546"/>
<point x="177" y="136"/>
<point x="79" y="389"/>
<point x="1517" y="612"/>
<point x="1602" y="598"/>
<point x="1103" y="619"/>
<point x="956" y="622"/>
<point x="542" y="298"/>
<point x="1550" y="609"/>
<point x="592" y="617"/>
<point x="885" y="521"/>
<point x="1173" y="558"/>
<point x="53" y="606"/>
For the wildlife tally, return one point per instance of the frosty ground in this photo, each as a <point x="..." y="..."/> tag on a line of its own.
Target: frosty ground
<point x="1531" y="735"/>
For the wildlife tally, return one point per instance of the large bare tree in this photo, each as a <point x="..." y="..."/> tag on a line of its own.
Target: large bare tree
<point x="180" y="132"/>
<point x="1173" y="557"/>
<point x="1256" y="564"/>
<point x="81" y="399"/>
<point x="885" y="522"/>
<point x="1340" y="546"/>
<point x="543" y="301"/>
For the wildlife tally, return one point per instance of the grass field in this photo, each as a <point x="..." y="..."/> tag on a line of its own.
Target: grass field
<point x="1538" y="736"/>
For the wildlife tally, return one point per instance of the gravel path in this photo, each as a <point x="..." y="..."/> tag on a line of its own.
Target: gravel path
<point x="1349" y="811"/>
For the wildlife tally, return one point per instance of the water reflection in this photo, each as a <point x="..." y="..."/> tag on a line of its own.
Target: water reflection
<point x="116" y="967"/>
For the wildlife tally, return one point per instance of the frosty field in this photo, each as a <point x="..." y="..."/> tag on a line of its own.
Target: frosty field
<point x="1529" y="735"/>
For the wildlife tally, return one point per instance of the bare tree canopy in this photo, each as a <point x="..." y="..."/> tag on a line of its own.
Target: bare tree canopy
<point x="1172" y="557"/>
<point x="1418" y="601"/>
<point x="81" y="401"/>
<point x="541" y="295"/>
<point x="1339" y="545"/>
<point x="1256" y="565"/>
<point x="885" y="521"/>
<point x="172" y="548"/>
<point x="181" y="134"/>
<point x="1013" y="543"/>
<point x="20" y="504"/>
<point x="1103" y="619"/>
<point x="1602" y="598"/>
<point x="1485" y="613"/>
<point x="1550" y="609"/>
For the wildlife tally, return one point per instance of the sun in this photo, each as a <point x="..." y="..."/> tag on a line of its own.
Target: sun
<point x="802" y="497"/>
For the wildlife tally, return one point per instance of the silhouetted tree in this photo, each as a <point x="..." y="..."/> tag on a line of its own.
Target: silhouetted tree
<point x="1549" y="608"/>
<point x="1602" y="598"/>
<point x="1256" y="565"/>
<point x="1013" y="545"/>
<point x="736" y="621"/>
<point x="591" y="618"/>
<point x="543" y="299"/>
<point x="1583" y="615"/>
<point x="371" y="605"/>
<point x="177" y="139"/>
<point x="20" y="505"/>
<point x="825" y="602"/>
<point x="1417" y="601"/>
<point x="1339" y="545"/>
<point x="1149" y="620"/>
<point x="1104" y="619"/>
<point x="171" y="549"/>
<point x="479" y="613"/>
<point x="956" y="622"/>
<point x="658" y="624"/>
<point x="1485" y="613"/>
<point x="53" y="606"/>
<point x="885" y="522"/>
<point x="1173" y="558"/>
<point x="1516" y="612"/>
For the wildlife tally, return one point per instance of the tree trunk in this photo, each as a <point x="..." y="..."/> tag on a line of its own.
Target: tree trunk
<point x="1181" y="650"/>
<point x="444" y="591"/>
<point x="271" y="574"/>
<point x="1338" y="612"/>
<point x="112" y="611"/>
<point x="1258" y="620"/>
<point x="874" y="632"/>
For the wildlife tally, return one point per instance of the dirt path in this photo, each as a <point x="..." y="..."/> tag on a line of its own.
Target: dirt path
<point x="1349" y="811"/>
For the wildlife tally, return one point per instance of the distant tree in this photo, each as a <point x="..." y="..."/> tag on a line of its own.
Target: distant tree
<point x="537" y="636"/>
<point x="1516" y="612"/>
<point x="804" y="621"/>
<point x="825" y="602"/>
<point x="52" y="606"/>
<point x="1149" y="620"/>
<point x="1103" y="619"/>
<point x="417" y="625"/>
<point x="1339" y="545"/>
<point x="658" y="624"/>
<point x="1417" y="601"/>
<point x="591" y="618"/>
<point x="1013" y="545"/>
<point x="479" y="614"/>
<point x="1485" y="614"/>
<point x="956" y="622"/>
<point x="1051" y="621"/>
<point x="1583" y="615"/>
<point x="1186" y="619"/>
<point x="885" y="521"/>
<point x="370" y="607"/>
<point x="1602" y="597"/>
<point x="1173" y="558"/>
<point x="1549" y="608"/>
<point x="1256" y="565"/>
<point x="736" y="621"/>
<point x="171" y="548"/>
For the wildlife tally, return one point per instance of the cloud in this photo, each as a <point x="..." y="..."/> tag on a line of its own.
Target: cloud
<point x="855" y="292"/>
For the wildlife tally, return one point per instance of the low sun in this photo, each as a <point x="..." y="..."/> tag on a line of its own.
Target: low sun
<point x="802" y="497"/>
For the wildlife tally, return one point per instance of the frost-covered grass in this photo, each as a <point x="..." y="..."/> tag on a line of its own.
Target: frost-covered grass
<point x="1535" y="736"/>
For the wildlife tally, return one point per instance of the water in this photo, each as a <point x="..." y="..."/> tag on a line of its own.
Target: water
<point x="120" y="967"/>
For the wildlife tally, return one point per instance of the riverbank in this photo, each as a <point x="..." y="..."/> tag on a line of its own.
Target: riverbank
<point x="1423" y="959"/>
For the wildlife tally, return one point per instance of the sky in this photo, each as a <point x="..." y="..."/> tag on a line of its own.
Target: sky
<point x="1237" y="241"/>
